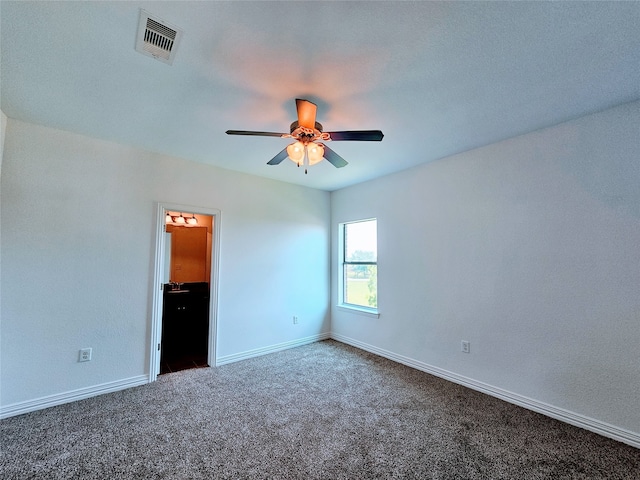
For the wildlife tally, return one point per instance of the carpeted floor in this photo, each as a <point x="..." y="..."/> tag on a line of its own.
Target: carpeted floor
<point x="320" y="411"/>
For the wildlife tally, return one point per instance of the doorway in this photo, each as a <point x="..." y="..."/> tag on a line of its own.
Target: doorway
<point x="185" y="289"/>
<point x="185" y="293"/>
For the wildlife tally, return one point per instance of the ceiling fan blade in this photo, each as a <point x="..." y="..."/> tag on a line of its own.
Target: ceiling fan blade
<point x="357" y="135"/>
<point x="256" y="134"/>
<point x="278" y="158"/>
<point x="333" y="158"/>
<point x="306" y="113"/>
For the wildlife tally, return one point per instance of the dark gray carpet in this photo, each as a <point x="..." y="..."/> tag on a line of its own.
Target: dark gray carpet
<point x="320" y="411"/>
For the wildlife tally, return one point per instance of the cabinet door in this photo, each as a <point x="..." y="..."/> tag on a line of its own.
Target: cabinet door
<point x="189" y="255"/>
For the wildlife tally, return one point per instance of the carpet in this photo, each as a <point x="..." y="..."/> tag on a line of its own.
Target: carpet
<point x="320" y="411"/>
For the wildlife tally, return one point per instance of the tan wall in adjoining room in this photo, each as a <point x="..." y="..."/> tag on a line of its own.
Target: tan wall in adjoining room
<point x="191" y="250"/>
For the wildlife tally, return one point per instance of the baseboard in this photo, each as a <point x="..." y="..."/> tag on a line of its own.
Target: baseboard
<point x="236" y="357"/>
<point x="71" y="396"/>
<point x="596" y="426"/>
<point x="82" y="393"/>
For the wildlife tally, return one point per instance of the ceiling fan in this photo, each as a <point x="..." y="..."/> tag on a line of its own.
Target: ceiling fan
<point x="307" y="149"/>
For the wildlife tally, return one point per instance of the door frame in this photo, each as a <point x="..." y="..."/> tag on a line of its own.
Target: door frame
<point x="157" y="296"/>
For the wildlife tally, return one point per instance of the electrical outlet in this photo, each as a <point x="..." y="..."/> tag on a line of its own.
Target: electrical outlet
<point x="295" y="320"/>
<point x="465" y="346"/>
<point x="85" y="355"/>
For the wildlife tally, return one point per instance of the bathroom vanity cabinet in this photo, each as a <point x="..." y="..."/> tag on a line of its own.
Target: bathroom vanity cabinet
<point x="185" y="321"/>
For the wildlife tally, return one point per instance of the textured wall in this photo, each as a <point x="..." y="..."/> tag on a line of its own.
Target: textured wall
<point x="78" y="226"/>
<point x="527" y="248"/>
<point x="3" y="129"/>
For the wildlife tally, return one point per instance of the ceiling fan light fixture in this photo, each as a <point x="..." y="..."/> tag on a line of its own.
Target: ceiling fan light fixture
<point x="296" y="152"/>
<point x="315" y="152"/>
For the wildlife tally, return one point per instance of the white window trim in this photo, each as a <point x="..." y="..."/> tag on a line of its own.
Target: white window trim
<point x="367" y="312"/>
<point x="349" y="307"/>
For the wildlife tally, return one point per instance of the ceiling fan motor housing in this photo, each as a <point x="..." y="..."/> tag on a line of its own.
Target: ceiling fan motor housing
<point x="306" y="135"/>
<point x="295" y="125"/>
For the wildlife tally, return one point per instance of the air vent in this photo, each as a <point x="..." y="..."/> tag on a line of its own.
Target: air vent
<point x="157" y="38"/>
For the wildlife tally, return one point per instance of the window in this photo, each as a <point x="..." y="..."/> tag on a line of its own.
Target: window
<point x="359" y="262"/>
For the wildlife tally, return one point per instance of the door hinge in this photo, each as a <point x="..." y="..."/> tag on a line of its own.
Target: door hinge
<point x="162" y="286"/>
<point x="158" y="347"/>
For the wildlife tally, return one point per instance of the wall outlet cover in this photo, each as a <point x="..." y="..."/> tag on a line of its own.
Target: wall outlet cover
<point x="85" y="355"/>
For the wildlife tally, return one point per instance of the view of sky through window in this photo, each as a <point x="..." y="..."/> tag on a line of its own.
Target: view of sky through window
<point x="362" y="237"/>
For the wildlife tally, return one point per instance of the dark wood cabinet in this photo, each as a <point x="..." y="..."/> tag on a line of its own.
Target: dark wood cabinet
<point x="185" y="322"/>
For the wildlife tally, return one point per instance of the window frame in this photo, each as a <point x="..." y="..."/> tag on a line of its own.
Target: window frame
<point x="342" y="265"/>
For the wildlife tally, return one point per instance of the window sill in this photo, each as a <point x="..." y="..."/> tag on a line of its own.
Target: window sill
<point x="360" y="311"/>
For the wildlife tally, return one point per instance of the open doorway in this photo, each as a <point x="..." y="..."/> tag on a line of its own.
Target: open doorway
<point x="185" y="296"/>
<point x="186" y="292"/>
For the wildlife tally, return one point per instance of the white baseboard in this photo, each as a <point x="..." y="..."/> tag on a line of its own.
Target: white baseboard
<point x="593" y="425"/>
<point x="82" y="393"/>
<point x="236" y="357"/>
<point x="71" y="396"/>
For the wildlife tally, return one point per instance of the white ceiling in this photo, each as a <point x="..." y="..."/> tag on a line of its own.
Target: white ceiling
<point x="437" y="78"/>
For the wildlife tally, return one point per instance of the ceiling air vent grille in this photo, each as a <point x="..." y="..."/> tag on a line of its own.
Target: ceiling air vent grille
<point x="157" y="38"/>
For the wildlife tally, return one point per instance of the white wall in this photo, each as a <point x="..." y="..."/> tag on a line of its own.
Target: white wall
<point x="529" y="249"/>
<point x="78" y="239"/>
<point x="3" y="129"/>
